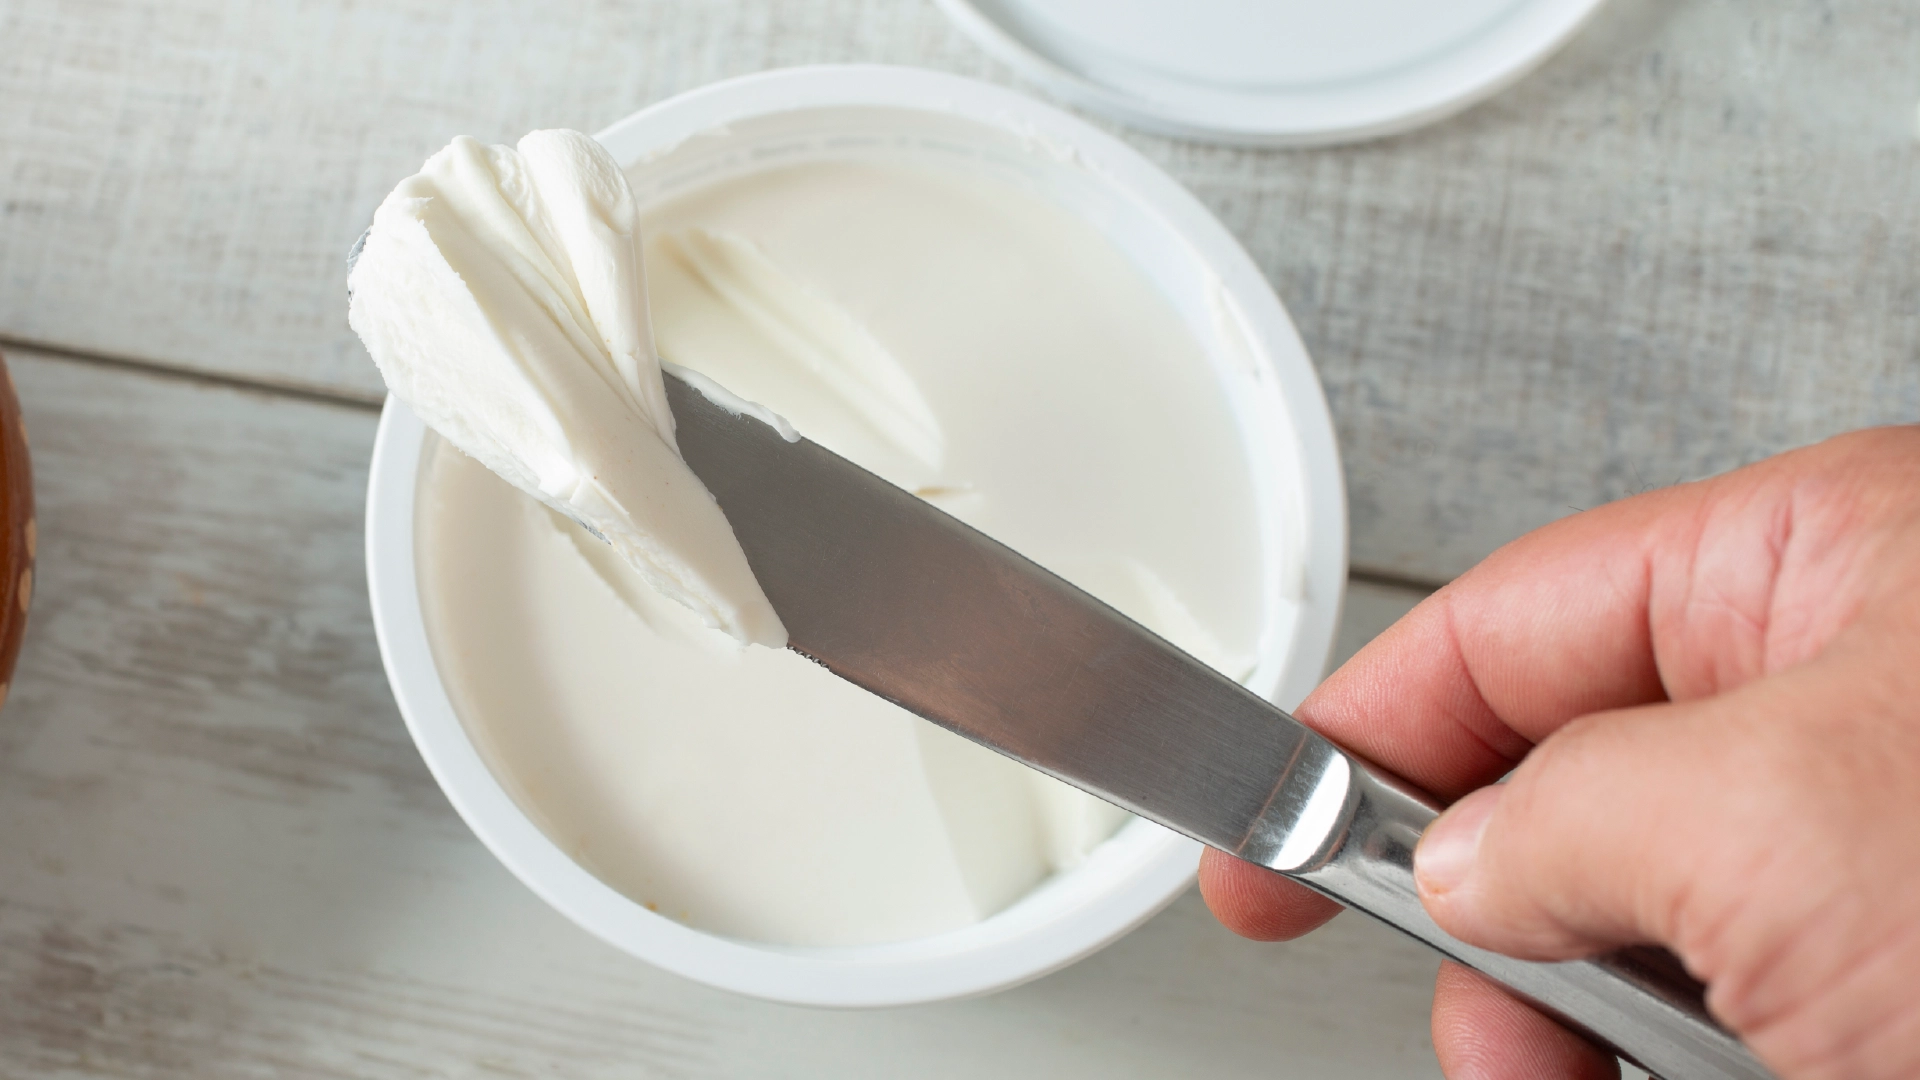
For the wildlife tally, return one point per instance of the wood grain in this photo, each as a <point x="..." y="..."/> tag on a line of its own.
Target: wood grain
<point x="1683" y="244"/>
<point x="220" y="856"/>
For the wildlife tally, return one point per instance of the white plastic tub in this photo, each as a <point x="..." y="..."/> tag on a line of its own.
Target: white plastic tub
<point x="954" y="123"/>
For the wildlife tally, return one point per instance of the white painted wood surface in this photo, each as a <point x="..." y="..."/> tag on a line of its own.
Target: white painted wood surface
<point x="1683" y="244"/>
<point x="221" y="857"/>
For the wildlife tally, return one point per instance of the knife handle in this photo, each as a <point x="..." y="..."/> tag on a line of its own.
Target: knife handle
<point x="1641" y="1002"/>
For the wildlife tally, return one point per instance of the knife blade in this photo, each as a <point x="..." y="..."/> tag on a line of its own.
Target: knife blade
<point x="895" y="595"/>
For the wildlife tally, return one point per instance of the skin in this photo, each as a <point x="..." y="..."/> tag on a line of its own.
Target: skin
<point x="1709" y="700"/>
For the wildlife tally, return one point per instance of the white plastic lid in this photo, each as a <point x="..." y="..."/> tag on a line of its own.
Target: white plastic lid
<point x="1272" y="72"/>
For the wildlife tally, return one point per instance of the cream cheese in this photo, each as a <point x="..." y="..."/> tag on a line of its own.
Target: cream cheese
<point x="500" y="292"/>
<point x="963" y="338"/>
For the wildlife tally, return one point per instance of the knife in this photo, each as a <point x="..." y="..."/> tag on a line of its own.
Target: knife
<point x="900" y="598"/>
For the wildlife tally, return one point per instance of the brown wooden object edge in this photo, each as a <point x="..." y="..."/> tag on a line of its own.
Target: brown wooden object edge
<point x="19" y="535"/>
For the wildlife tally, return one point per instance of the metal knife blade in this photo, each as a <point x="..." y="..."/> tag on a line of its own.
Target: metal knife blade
<point x="893" y="594"/>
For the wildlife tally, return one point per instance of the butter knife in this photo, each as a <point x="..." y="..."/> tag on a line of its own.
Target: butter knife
<point x="900" y="598"/>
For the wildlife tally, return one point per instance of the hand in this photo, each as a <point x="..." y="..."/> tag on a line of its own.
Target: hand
<point x="1709" y="700"/>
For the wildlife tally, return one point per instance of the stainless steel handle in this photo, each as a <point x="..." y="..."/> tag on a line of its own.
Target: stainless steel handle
<point x="1641" y="1002"/>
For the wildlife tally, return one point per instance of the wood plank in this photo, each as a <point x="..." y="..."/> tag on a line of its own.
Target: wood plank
<point x="1683" y="244"/>
<point x="224" y="859"/>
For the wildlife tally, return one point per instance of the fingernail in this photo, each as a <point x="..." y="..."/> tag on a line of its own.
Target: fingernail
<point x="1452" y="843"/>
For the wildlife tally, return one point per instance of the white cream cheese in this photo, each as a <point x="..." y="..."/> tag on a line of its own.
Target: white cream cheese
<point x="964" y="339"/>
<point x="500" y="292"/>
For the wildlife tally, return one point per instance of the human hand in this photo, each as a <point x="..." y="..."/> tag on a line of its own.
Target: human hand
<point x="1712" y="697"/>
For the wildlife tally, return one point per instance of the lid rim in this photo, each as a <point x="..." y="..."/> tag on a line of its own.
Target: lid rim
<point x="1544" y="27"/>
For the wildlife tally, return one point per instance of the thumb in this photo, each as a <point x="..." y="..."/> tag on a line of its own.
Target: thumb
<point x="1764" y="835"/>
<point x="1598" y="839"/>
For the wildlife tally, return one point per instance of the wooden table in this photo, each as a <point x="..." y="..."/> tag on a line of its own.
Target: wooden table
<point x="1687" y="242"/>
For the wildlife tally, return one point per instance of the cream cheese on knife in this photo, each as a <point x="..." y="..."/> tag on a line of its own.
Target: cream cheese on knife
<point x="500" y="291"/>
<point x="966" y="341"/>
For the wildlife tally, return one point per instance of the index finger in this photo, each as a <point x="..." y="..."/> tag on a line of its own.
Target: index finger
<point x="1551" y="627"/>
